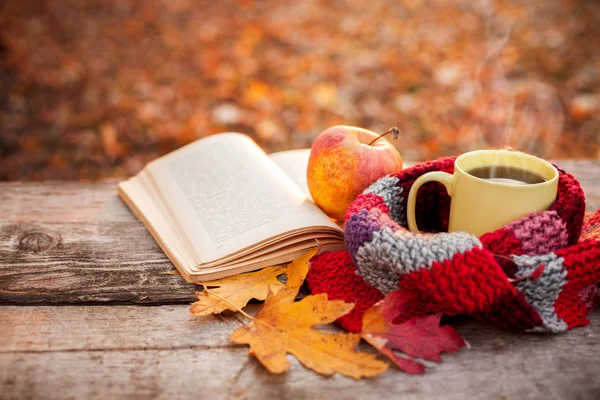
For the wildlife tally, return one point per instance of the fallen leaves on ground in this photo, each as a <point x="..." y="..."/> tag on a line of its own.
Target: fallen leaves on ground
<point x="158" y="74"/>
<point x="419" y="337"/>
<point x="283" y="326"/>
<point x="234" y="292"/>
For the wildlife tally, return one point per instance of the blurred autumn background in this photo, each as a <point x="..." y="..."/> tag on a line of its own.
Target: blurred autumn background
<point x="97" y="88"/>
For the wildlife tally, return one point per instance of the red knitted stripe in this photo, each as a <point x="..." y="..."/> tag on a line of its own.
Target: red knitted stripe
<point x="464" y="284"/>
<point x="570" y="205"/>
<point x="433" y="203"/>
<point x="334" y="273"/>
<point x="471" y="283"/>
<point x="583" y="269"/>
<point x="472" y="288"/>
<point x="503" y="242"/>
<point x="409" y="175"/>
<point x="512" y="312"/>
<point x="366" y="202"/>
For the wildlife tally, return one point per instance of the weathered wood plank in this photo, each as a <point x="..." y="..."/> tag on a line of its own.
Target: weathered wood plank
<point x="32" y="329"/>
<point x="164" y="352"/>
<point x="77" y="243"/>
<point x="62" y="202"/>
<point x="85" y="262"/>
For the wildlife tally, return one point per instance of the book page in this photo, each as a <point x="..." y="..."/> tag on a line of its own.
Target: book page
<point x="293" y="163"/>
<point x="227" y="195"/>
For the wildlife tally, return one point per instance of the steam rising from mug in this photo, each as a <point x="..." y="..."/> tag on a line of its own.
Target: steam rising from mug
<point x="510" y="109"/>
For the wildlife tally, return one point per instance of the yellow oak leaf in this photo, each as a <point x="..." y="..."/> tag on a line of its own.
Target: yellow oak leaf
<point x="234" y="292"/>
<point x="297" y="270"/>
<point x="283" y="326"/>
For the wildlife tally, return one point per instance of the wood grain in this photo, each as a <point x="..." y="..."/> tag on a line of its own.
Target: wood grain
<point x="165" y="352"/>
<point x="77" y="243"/>
<point x="112" y="261"/>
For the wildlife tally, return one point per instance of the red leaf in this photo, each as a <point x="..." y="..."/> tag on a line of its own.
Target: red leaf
<point x="399" y="306"/>
<point x="423" y="337"/>
<point x="405" y="364"/>
<point x="420" y="336"/>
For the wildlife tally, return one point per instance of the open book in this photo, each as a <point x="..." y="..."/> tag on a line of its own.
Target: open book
<point x="221" y="206"/>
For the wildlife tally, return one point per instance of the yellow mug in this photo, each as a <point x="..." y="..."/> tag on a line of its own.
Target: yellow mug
<point x="482" y="205"/>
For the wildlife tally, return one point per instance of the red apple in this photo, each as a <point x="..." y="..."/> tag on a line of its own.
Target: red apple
<point x="344" y="161"/>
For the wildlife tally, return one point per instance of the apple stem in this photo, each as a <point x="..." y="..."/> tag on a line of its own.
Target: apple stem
<point x="394" y="131"/>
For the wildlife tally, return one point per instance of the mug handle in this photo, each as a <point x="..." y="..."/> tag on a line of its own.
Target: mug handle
<point x="435" y="176"/>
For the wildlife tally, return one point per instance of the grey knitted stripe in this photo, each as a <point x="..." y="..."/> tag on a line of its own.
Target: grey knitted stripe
<point x="543" y="292"/>
<point x="376" y="265"/>
<point x="387" y="187"/>
<point x="389" y="255"/>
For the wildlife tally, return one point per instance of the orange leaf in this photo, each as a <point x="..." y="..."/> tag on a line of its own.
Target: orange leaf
<point x="234" y="292"/>
<point x="298" y="269"/>
<point x="283" y="326"/>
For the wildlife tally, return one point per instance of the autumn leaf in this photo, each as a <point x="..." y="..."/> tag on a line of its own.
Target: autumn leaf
<point x="283" y="326"/>
<point x="418" y="337"/>
<point x="297" y="270"/>
<point x="405" y="364"/>
<point x="233" y="293"/>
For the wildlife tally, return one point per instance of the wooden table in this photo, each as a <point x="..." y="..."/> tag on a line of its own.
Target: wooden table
<point x="91" y="308"/>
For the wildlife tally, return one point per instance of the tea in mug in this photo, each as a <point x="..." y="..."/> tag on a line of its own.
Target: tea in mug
<point x="507" y="174"/>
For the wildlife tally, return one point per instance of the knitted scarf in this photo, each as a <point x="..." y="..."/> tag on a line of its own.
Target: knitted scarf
<point x="538" y="273"/>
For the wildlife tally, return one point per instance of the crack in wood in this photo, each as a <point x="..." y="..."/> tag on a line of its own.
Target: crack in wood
<point x="237" y="376"/>
<point x="45" y="300"/>
<point x="128" y="349"/>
